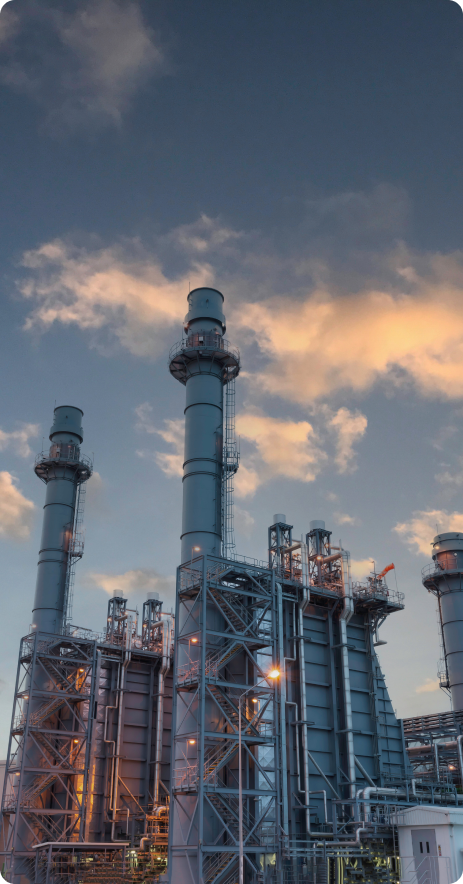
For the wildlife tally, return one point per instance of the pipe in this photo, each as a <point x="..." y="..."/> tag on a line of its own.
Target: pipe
<point x="122" y="675"/>
<point x="436" y="760"/>
<point x="167" y="627"/>
<point x="322" y="792"/>
<point x="428" y="749"/>
<point x="305" y="754"/>
<point x="346" y="614"/>
<point x="460" y="755"/>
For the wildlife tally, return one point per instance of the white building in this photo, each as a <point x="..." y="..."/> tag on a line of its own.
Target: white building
<point x="430" y="844"/>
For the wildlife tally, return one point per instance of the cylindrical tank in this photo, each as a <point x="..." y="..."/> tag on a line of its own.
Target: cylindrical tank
<point x="204" y="362"/>
<point x="62" y="470"/>
<point x="444" y="579"/>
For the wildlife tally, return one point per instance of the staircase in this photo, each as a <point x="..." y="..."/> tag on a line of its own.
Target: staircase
<point x="29" y="796"/>
<point x="216" y="868"/>
<point x="229" y="611"/>
<point x="215" y="760"/>
<point x="216" y="662"/>
<point x="231" y="711"/>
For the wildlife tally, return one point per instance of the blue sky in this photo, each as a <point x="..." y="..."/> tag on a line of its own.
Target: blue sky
<point x="306" y="160"/>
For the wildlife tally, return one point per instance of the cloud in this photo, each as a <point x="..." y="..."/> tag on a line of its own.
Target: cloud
<point x="345" y="519"/>
<point x="308" y="330"/>
<point x="429" y="686"/>
<point x="353" y="340"/>
<point x="419" y="531"/>
<point x="107" y="288"/>
<point x="8" y="24"/>
<point x="16" y="511"/>
<point x="451" y="481"/>
<point x="137" y="581"/>
<point x="281" y="448"/>
<point x="361" y="568"/>
<point x="349" y="427"/>
<point x="82" y="63"/>
<point x="18" y="440"/>
<point x="246" y="481"/>
<point x="173" y="433"/>
<point x="244" y="522"/>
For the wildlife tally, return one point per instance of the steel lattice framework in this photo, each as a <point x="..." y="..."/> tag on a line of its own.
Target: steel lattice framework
<point x="226" y="645"/>
<point x="49" y="751"/>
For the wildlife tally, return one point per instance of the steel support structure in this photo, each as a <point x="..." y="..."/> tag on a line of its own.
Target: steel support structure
<point x="227" y="643"/>
<point x="46" y="781"/>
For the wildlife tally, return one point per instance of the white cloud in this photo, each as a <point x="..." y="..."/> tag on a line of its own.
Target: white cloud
<point x="18" y="440"/>
<point x="281" y="448"/>
<point x="244" y="522"/>
<point x="451" y="481"/>
<point x="349" y="427"/>
<point x="107" y="289"/>
<point x="246" y="481"/>
<point x="429" y="686"/>
<point x="139" y="580"/>
<point x="384" y="331"/>
<point x="83" y="65"/>
<point x="361" y="568"/>
<point x="345" y="519"/>
<point x="419" y="531"/>
<point x="173" y="433"/>
<point x="16" y="511"/>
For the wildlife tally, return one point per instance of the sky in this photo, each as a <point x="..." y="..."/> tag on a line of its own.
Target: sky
<point x="305" y="159"/>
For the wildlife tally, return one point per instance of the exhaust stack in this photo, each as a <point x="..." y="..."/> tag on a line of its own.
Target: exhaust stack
<point x="63" y="469"/>
<point x="204" y="362"/>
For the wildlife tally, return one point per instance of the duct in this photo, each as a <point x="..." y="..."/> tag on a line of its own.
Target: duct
<point x="305" y="755"/>
<point x="114" y="792"/>
<point x="345" y="616"/>
<point x="166" y="625"/>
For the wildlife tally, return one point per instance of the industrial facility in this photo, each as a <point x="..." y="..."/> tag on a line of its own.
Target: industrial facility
<point x="249" y="738"/>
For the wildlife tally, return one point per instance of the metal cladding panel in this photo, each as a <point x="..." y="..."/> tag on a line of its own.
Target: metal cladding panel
<point x="320" y="711"/>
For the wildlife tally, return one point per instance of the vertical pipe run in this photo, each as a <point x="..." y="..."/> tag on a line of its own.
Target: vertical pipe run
<point x="304" y="720"/>
<point x="346" y="614"/>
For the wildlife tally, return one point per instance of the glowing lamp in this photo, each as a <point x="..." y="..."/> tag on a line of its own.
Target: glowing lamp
<point x="192" y="742"/>
<point x="274" y="674"/>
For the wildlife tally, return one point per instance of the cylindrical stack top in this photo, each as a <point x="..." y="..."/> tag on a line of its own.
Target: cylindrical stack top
<point x="205" y="311"/>
<point x="317" y="525"/>
<point x="451" y="541"/>
<point x="67" y="420"/>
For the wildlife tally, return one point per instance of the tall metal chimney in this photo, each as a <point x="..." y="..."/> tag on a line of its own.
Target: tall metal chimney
<point x="204" y="362"/>
<point x="444" y="579"/>
<point x="62" y="469"/>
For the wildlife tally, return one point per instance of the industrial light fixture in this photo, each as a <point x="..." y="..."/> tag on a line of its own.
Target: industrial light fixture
<point x="194" y="640"/>
<point x="192" y="742"/>
<point x="255" y="700"/>
<point x="196" y="548"/>
<point x="274" y="673"/>
<point x="76" y="741"/>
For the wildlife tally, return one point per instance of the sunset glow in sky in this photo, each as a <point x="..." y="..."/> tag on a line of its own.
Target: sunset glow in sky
<point x="305" y="159"/>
